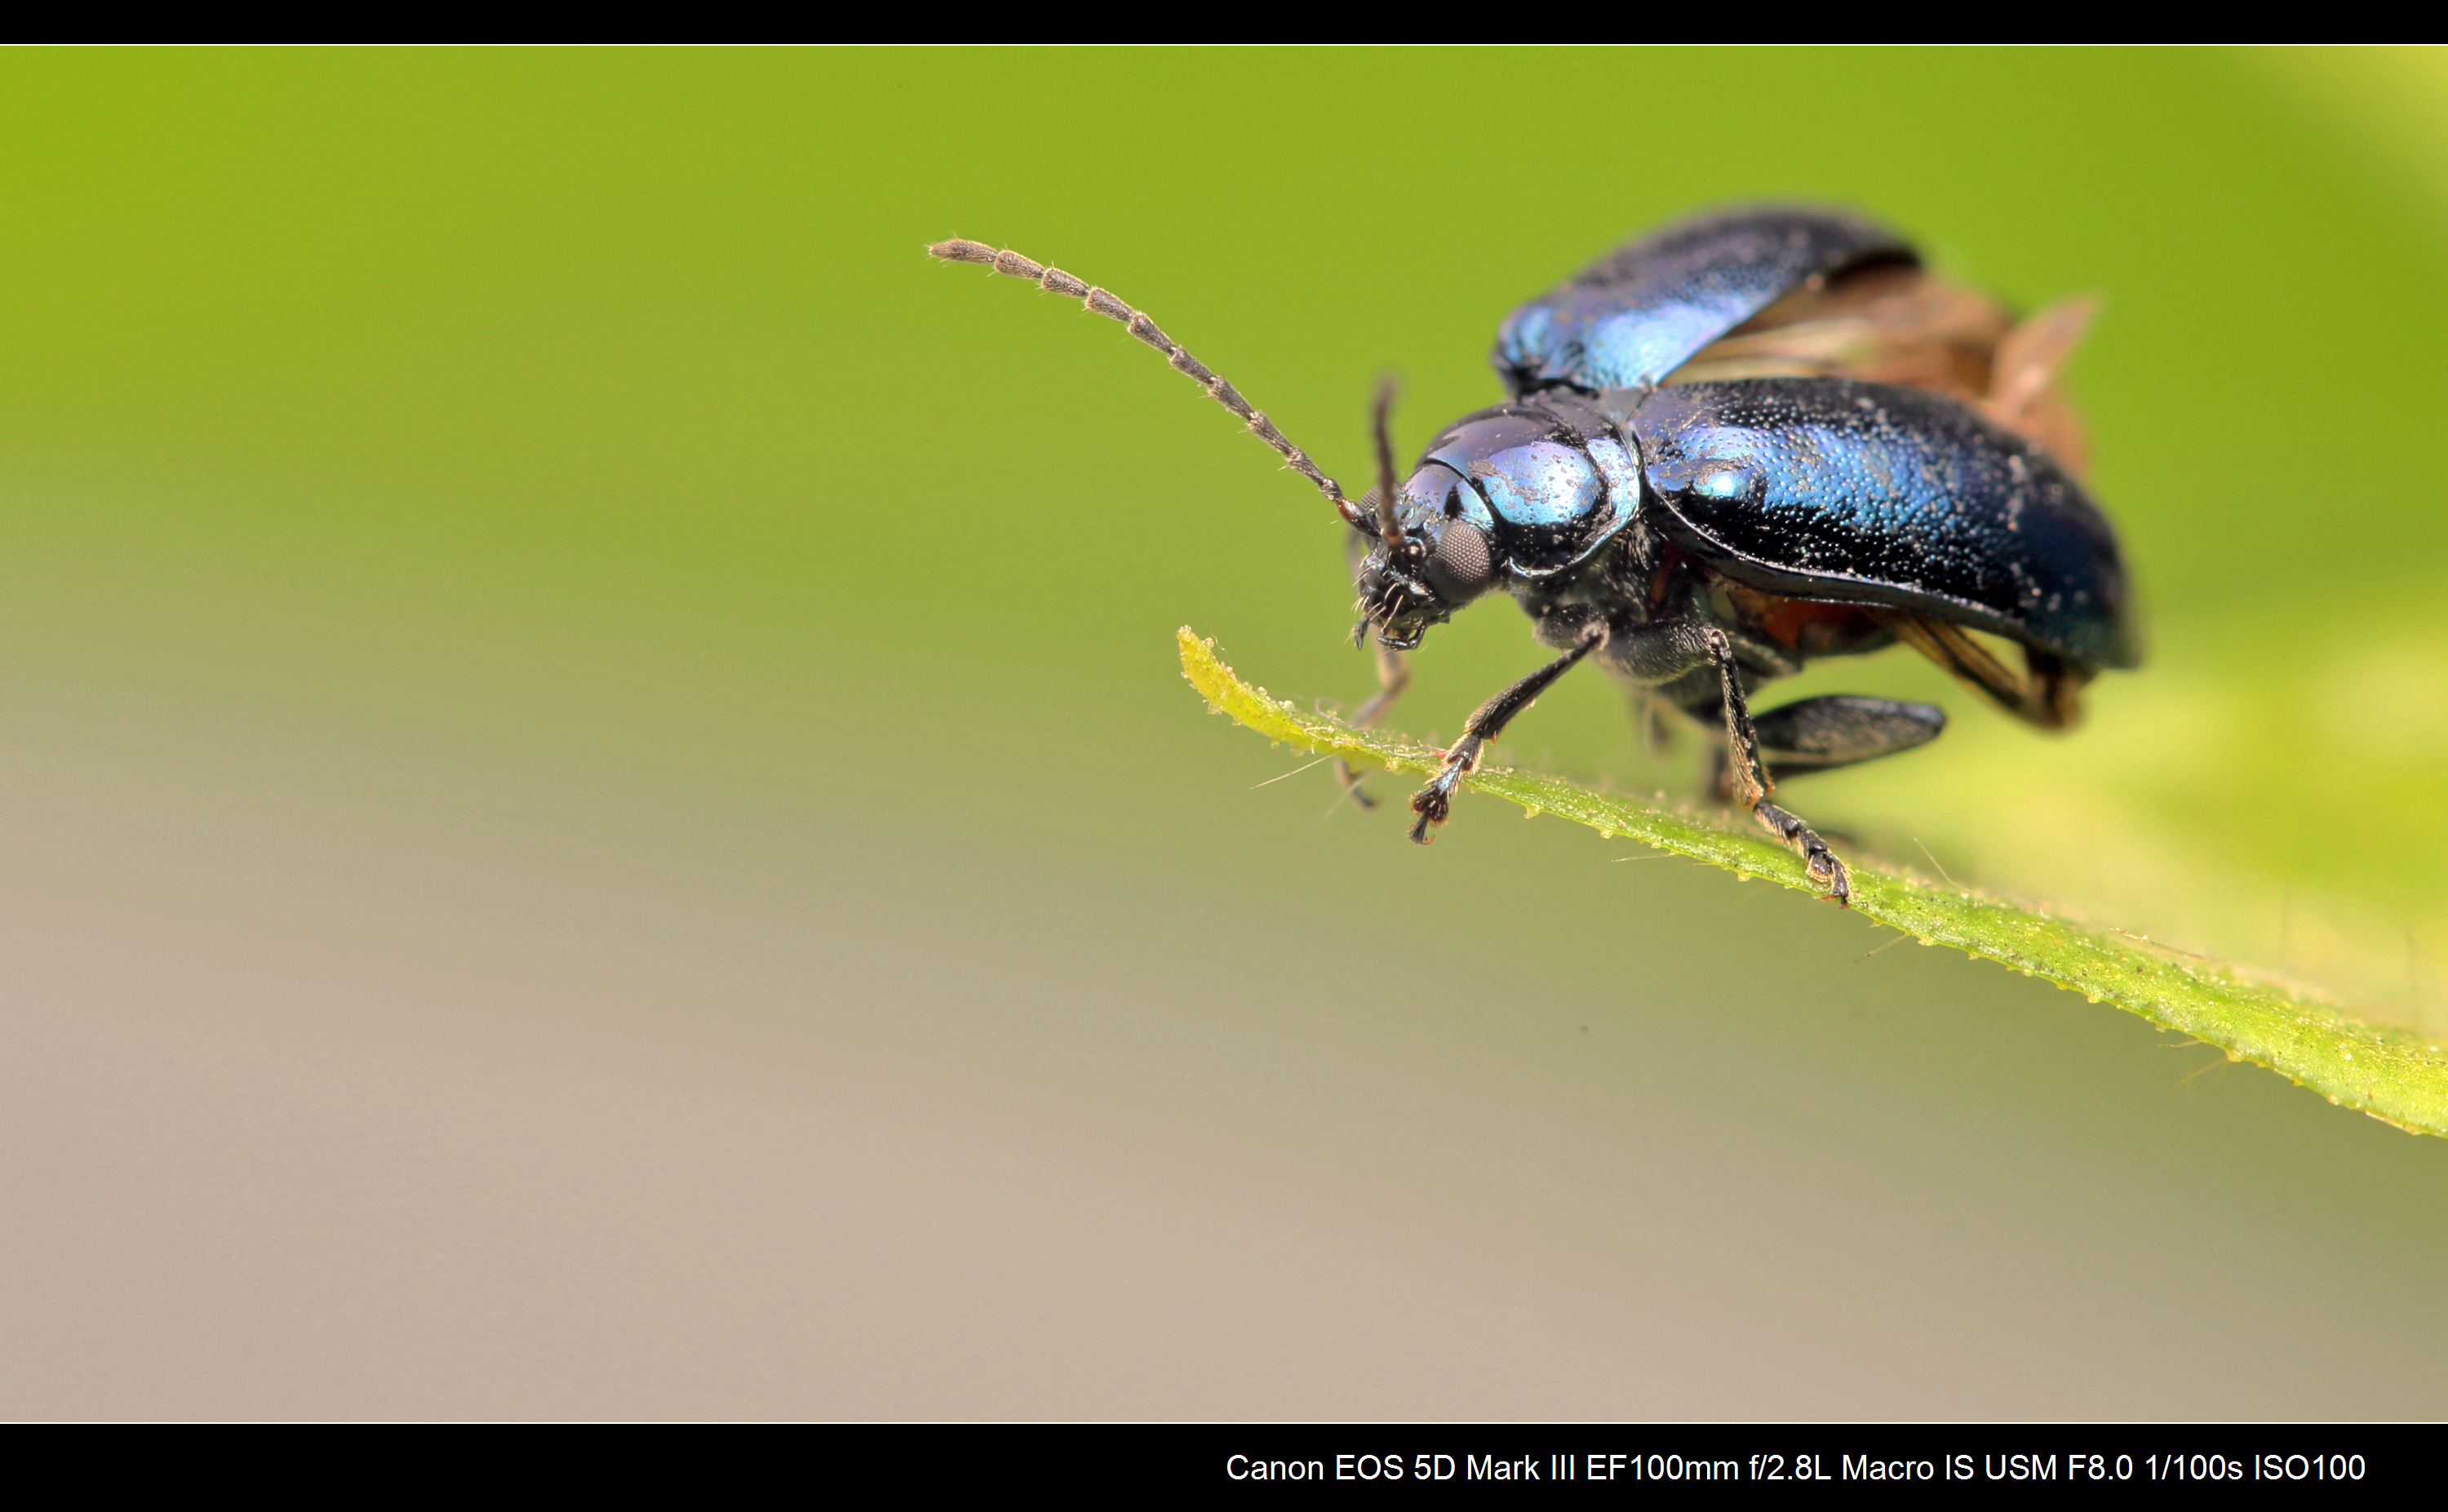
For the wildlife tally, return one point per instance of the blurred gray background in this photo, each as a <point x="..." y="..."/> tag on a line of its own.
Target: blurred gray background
<point x="600" y="819"/>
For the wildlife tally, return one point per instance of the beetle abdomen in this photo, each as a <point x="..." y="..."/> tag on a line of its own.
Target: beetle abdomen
<point x="1860" y="492"/>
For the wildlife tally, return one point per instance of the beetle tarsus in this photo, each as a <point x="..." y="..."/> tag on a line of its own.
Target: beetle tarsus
<point x="1816" y="858"/>
<point x="1434" y="803"/>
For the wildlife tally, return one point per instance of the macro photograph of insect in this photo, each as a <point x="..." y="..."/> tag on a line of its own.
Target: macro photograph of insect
<point x="827" y="733"/>
<point x="1793" y="506"/>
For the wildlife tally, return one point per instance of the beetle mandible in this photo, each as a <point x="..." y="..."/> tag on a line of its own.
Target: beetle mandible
<point x="1745" y="441"/>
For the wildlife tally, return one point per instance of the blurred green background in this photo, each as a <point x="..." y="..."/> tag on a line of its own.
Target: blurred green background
<point x="601" y="819"/>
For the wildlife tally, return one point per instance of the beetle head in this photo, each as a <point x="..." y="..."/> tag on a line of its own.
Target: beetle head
<point x="1445" y="558"/>
<point x="1513" y="495"/>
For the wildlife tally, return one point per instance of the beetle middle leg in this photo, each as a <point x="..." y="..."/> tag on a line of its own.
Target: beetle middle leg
<point x="1394" y="668"/>
<point x="1659" y="653"/>
<point x="1393" y="676"/>
<point x="1434" y="803"/>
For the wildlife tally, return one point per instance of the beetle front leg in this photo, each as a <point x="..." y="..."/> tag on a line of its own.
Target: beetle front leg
<point x="1434" y="803"/>
<point x="1662" y="652"/>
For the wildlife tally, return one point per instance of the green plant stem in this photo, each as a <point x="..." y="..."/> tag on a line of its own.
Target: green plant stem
<point x="2395" y="1076"/>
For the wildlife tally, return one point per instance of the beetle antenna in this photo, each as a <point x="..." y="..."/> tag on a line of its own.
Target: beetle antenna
<point x="1382" y="425"/>
<point x="1058" y="282"/>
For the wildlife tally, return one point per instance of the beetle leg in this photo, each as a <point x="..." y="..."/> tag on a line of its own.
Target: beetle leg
<point x="1394" y="668"/>
<point x="1662" y="652"/>
<point x="1393" y="676"/>
<point x="1833" y="731"/>
<point x="1752" y="786"/>
<point x="1434" y="803"/>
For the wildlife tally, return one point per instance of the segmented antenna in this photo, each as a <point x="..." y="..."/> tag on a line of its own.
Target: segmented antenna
<point x="1058" y="282"/>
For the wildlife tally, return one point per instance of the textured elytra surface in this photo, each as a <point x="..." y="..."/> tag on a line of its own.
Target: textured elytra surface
<point x="1849" y="489"/>
<point x="1636" y="315"/>
<point x="2396" y="1077"/>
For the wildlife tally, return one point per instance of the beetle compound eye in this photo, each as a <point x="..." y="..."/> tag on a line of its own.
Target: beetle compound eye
<point x="1462" y="563"/>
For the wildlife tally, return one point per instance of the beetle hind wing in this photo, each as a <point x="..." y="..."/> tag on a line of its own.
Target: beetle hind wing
<point x="2047" y="693"/>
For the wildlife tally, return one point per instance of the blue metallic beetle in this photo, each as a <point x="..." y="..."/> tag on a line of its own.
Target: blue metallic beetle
<point x="1750" y="440"/>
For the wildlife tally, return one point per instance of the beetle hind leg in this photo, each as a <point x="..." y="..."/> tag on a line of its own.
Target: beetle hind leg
<point x="1838" y="730"/>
